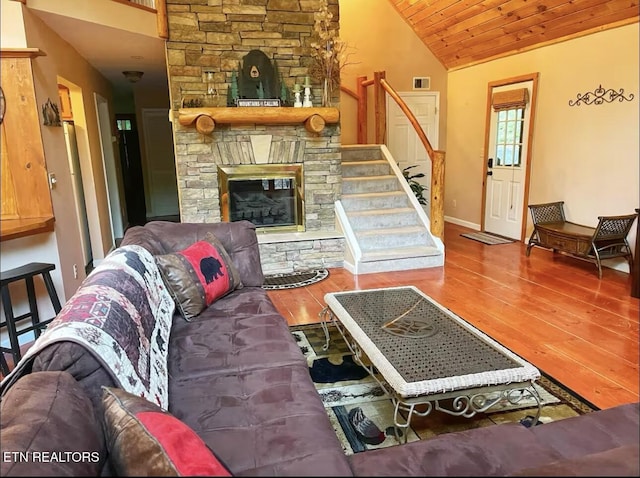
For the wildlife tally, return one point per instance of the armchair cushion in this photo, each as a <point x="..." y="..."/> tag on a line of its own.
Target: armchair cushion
<point x="49" y="428"/>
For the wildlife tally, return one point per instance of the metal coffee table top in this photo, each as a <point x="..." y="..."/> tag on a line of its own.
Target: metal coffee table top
<point x="420" y="347"/>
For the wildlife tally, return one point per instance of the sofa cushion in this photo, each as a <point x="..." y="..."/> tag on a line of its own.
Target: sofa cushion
<point x="618" y="461"/>
<point x="494" y="450"/>
<point x="238" y="238"/>
<point x="81" y="364"/>
<point x="144" y="237"/>
<point x="144" y="440"/>
<point x="199" y="275"/>
<point x="593" y="432"/>
<point x="48" y="428"/>
<point x="241" y="382"/>
<point x="241" y="331"/>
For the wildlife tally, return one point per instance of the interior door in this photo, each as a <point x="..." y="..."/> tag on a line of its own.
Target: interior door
<point x="508" y="139"/>
<point x="131" y="164"/>
<point x="112" y="175"/>
<point x="402" y="139"/>
<point x="160" y="169"/>
<point x="78" y="191"/>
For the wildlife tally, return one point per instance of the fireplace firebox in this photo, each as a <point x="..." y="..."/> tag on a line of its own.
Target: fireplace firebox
<point x="271" y="196"/>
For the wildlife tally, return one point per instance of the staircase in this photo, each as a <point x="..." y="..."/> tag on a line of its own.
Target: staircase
<point x="385" y="227"/>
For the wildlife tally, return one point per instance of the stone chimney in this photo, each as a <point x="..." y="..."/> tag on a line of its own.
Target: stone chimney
<point x="208" y="40"/>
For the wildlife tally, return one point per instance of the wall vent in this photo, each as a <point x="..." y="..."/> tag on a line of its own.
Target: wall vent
<point x="421" y="82"/>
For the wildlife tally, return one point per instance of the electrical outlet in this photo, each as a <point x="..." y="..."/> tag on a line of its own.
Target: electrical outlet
<point x="455" y="203"/>
<point x="75" y="271"/>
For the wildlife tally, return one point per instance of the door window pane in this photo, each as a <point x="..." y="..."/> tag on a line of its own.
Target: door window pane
<point x="509" y="137"/>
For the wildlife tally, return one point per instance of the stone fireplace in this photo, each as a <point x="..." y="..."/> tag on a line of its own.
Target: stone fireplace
<point x="213" y="36"/>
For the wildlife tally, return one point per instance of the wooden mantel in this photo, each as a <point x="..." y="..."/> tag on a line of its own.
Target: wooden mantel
<point x="205" y="119"/>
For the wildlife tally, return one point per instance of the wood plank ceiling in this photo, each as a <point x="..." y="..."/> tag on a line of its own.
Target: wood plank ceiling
<point x="466" y="32"/>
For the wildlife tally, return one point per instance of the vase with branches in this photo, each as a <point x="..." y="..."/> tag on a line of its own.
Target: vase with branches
<point x="328" y="51"/>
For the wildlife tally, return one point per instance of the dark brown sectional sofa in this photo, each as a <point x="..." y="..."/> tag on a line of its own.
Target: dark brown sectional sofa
<point x="239" y="380"/>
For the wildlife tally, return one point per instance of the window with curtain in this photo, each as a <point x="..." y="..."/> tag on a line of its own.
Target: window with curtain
<point x="510" y="106"/>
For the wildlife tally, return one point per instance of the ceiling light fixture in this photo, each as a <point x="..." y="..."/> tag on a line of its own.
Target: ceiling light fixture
<point x="133" y="76"/>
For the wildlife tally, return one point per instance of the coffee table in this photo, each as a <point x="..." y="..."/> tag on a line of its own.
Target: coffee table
<point x="422" y="354"/>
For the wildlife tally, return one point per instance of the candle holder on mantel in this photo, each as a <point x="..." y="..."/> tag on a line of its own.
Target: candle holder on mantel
<point x="297" y="90"/>
<point x="307" y="93"/>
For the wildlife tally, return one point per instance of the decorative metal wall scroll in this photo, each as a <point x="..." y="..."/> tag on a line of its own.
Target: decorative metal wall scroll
<point x="599" y="96"/>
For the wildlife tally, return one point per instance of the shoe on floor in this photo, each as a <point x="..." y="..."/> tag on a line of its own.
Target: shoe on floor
<point x="366" y="430"/>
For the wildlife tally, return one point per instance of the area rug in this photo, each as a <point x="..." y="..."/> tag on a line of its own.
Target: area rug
<point x="291" y="280"/>
<point x="350" y="394"/>
<point x="487" y="238"/>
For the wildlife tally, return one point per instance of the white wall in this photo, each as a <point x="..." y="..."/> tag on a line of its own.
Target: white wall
<point x="584" y="155"/>
<point x="20" y="28"/>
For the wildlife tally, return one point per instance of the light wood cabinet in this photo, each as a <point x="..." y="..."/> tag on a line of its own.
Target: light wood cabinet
<point x="26" y="198"/>
<point x="66" y="113"/>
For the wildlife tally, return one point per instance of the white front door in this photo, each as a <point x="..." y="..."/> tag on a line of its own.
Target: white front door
<point x="403" y="141"/>
<point x="506" y="168"/>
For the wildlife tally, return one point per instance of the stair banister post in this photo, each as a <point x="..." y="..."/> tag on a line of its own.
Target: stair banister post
<point x="437" y="194"/>
<point x="161" y="18"/>
<point x="380" y="107"/>
<point x="362" y="109"/>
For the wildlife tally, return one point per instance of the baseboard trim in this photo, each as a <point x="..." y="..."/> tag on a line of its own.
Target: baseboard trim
<point x="460" y="222"/>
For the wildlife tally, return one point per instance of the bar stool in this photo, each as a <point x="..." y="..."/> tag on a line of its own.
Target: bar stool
<point x="26" y="272"/>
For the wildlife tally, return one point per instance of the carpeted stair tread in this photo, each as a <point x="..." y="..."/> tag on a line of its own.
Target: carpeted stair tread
<point x="385" y="238"/>
<point x="390" y="231"/>
<point x="399" y="253"/>
<point x="374" y="194"/>
<point x="385" y="223"/>
<point x="360" y="163"/>
<point x="360" y="153"/>
<point x="377" y="218"/>
<point x="365" y="184"/>
<point x="379" y="177"/>
<point x="382" y="195"/>
<point x="377" y="200"/>
<point x="364" y="169"/>
<point x="375" y="212"/>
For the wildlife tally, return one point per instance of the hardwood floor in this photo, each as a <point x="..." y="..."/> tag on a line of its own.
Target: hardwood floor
<point x="548" y="308"/>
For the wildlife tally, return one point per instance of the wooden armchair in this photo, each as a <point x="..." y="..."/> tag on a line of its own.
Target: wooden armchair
<point x="607" y="240"/>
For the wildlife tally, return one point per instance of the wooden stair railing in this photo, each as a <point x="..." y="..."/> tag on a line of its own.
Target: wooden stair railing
<point x="382" y="87"/>
<point x="159" y="7"/>
<point x="163" y="23"/>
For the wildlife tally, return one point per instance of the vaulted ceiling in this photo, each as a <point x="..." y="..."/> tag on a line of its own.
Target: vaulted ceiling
<point x="466" y="32"/>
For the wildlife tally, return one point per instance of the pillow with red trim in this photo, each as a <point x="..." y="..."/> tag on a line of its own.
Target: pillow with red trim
<point x="144" y="440"/>
<point x="199" y="275"/>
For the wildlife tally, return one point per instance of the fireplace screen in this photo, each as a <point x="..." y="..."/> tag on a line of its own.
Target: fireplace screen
<point x="270" y="196"/>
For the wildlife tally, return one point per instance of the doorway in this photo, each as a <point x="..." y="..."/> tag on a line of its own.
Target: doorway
<point x="507" y="153"/>
<point x="78" y="192"/>
<point x="160" y="170"/>
<point x="403" y="141"/>
<point x="131" y="165"/>
<point x="116" y="212"/>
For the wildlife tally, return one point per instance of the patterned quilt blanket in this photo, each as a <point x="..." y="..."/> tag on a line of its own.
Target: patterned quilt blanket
<point x="122" y="314"/>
